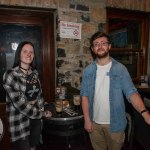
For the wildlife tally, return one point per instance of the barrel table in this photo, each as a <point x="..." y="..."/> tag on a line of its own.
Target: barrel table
<point x="65" y="132"/>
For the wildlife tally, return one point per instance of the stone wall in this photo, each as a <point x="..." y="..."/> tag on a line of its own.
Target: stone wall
<point x="72" y="55"/>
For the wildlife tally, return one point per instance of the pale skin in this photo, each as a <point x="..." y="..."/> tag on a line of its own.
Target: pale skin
<point x="101" y="48"/>
<point x="26" y="58"/>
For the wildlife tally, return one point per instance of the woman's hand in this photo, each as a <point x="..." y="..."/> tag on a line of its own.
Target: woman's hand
<point x="47" y="114"/>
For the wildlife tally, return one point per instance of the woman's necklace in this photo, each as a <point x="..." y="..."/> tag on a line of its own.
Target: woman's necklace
<point x="27" y="70"/>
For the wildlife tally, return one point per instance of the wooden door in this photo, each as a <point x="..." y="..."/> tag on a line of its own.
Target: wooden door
<point x="31" y="24"/>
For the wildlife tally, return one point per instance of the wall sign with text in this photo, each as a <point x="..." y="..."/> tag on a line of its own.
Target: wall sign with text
<point x="70" y="30"/>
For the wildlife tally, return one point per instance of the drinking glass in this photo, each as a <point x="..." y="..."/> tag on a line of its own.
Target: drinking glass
<point x="59" y="106"/>
<point x="76" y="101"/>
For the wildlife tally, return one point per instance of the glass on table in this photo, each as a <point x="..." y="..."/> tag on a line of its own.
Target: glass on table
<point x="59" y="106"/>
<point x="76" y="101"/>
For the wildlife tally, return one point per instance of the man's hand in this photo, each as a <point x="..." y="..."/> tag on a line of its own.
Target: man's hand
<point x="88" y="126"/>
<point x="146" y="117"/>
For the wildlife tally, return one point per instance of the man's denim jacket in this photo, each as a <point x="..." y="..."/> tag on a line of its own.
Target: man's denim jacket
<point x="120" y="82"/>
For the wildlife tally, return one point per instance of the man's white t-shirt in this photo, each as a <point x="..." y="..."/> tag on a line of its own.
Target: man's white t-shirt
<point x="101" y="97"/>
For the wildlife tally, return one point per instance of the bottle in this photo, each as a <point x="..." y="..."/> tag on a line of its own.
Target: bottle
<point x="146" y="81"/>
<point x="61" y="91"/>
<point x="58" y="90"/>
<point x="142" y="80"/>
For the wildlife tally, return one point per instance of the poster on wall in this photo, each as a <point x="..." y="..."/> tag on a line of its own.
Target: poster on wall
<point x="70" y="30"/>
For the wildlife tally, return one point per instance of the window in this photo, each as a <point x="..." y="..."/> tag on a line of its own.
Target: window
<point x="128" y="32"/>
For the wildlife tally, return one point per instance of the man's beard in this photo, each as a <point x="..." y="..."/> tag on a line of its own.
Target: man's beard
<point x="105" y="54"/>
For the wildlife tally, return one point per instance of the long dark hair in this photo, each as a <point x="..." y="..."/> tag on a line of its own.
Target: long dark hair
<point x="18" y="52"/>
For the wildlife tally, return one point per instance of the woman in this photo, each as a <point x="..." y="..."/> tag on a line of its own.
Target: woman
<point x="24" y="100"/>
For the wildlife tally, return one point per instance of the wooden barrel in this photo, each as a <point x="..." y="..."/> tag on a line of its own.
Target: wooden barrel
<point x="64" y="132"/>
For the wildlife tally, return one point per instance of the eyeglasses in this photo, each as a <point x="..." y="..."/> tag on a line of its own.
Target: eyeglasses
<point x="100" y="44"/>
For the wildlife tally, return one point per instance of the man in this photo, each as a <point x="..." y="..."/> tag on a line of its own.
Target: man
<point x="103" y="83"/>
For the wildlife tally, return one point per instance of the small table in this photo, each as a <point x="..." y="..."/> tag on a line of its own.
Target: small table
<point x="65" y="130"/>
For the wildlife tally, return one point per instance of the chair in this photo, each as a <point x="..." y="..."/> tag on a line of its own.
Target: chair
<point x="1" y="129"/>
<point x="129" y="131"/>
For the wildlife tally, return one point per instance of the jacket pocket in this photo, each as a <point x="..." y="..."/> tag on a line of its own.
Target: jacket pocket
<point x="116" y="81"/>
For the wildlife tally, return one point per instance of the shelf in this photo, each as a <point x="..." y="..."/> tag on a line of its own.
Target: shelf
<point x="126" y="50"/>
